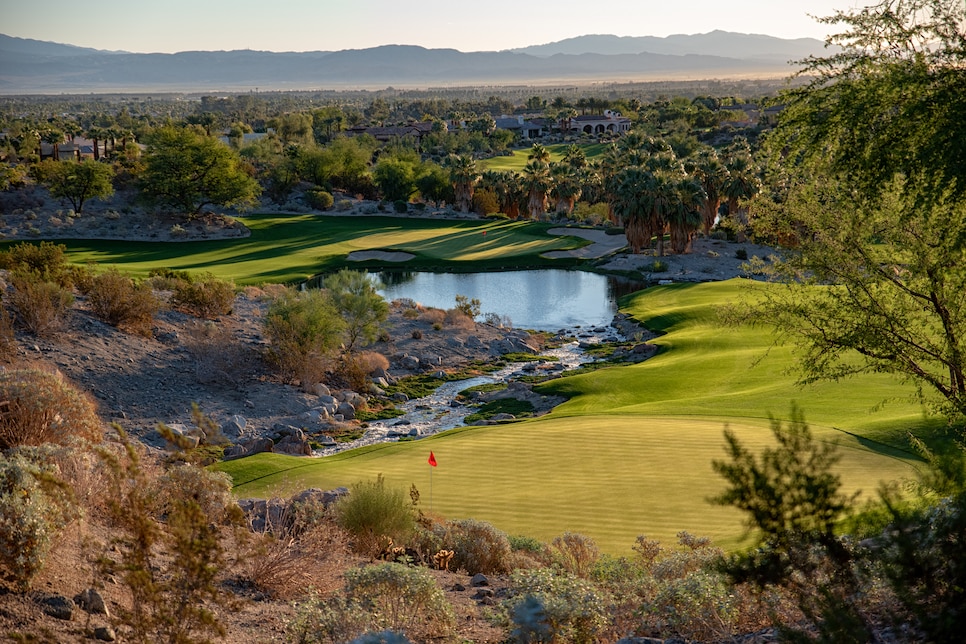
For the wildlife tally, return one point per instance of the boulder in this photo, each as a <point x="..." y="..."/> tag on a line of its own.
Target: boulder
<point x="320" y="390"/>
<point x="234" y="426"/>
<point x="264" y="515"/>
<point x="502" y="417"/>
<point x="479" y="579"/>
<point x="294" y="446"/>
<point x="58" y="607"/>
<point x="410" y="363"/>
<point x="105" y="634"/>
<point x="399" y="397"/>
<point x="315" y="495"/>
<point x="90" y="600"/>
<point x="346" y="410"/>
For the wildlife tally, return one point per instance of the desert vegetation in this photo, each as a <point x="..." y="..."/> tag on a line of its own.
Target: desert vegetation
<point x="680" y="498"/>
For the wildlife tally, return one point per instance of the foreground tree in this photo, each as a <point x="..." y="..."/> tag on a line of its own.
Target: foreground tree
<point x="187" y="170"/>
<point x="878" y="214"/>
<point x="76" y="182"/>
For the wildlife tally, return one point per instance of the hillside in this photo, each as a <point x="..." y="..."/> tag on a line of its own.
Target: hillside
<point x="28" y="66"/>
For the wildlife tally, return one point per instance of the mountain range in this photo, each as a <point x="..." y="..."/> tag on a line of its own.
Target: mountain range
<point x="32" y="66"/>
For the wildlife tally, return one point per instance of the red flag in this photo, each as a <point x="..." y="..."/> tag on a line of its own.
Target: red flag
<point x="432" y="459"/>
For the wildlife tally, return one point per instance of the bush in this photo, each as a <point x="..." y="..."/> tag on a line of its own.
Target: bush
<point x="401" y="599"/>
<point x="304" y="329"/>
<point x="208" y="297"/>
<point x="468" y="307"/>
<point x="319" y="199"/>
<point x="371" y="512"/>
<point x="478" y="547"/>
<point x="119" y="301"/>
<point x="485" y="202"/>
<point x="741" y="254"/>
<point x="46" y="261"/>
<point x="43" y="307"/>
<point x="34" y="506"/>
<point x="546" y="605"/>
<point x="218" y="354"/>
<point x="400" y="206"/>
<point x="433" y="316"/>
<point x="41" y="407"/>
<point x="575" y="553"/>
<point x="8" y="339"/>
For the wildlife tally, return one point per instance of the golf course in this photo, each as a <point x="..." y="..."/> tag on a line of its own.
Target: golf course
<point x="293" y="248"/>
<point x="631" y="451"/>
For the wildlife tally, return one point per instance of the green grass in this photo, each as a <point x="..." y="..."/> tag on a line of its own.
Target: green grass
<point x="630" y="453"/>
<point x="291" y="248"/>
<point x="518" y="159"/>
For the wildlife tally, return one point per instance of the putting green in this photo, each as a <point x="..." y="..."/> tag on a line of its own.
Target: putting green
<point x="610" y="477"/>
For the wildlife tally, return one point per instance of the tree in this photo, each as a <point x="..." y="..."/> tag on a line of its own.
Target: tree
<point x="395" y="177"/>
<point x="77" y="182"/>
<point x="793" y="500"/>
<point x="708" y="169"/>
<point x="362" y="309"/>
<point x="537" y="181"/>
<point x="631" y="200"/>
<point x="464" y="175"/>
<point x="188" y="171"/>
<point x="877" y="215"/>
<point x="433" y="183"/>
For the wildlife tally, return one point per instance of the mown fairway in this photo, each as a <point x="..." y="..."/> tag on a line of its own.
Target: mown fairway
<point x="631" y="452"/>
<point x="518" y="159"/>
<point x="290" y="248"/>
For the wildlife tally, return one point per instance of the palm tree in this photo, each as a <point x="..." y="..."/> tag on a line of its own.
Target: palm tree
<point x="463" y="174"/>
<point x="632" y="203"/>
<point x="567" y="187"/>
<point x="505" y="185"/>
<point x="742" y="184"/>
<point x="575" y="157"/>
<point x="537" y="181"/>
<point x="713" y="175"/>
<point x="684" y="214"/>
<point x="539" y="153"/>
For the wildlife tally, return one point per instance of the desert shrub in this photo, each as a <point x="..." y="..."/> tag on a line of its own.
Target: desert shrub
<point x="478" y="547"/>
<point x="547" y="605"/>
<point x="459" y="320"/>
<point x="176" y="602"/>
<point x="433" y="316"/>
<point x="468" y="307"/>
<point x="741" y="253"/>
<point x="165" y="279"/>
<point x="8" y="339"/>
<point x="217" y="354"/>
<point x="417" y="334"/>
<point x="373" y="511"/>
<point x="119" y="301"/>
<point x="355" y="368"/>
<point x="34" y="506"/>
<point x="319" y="199"/>
<point x="485" y="202"/>
<point x="41" y="407"/>
<point x="359" y="305"/>
<point x="46" y="260"/>
<point x="343" y="205"/>
<point x="207" y="297"/>
<point x="321" y="621"/>
<point x="575" y="553"/>
<point x="400" y="206"/>
<point x="42" y="306"/>
<point x="410" y="313"/>
<point x="657" y="266"/>
<point x="283" y="565"/>
<point x="304" y="328"/>
<point x="401" y="599"/>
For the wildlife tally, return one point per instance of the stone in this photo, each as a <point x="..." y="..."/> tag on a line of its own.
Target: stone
<point x="502" y="416"/>
<point x="326" y="399"/>
<point x="91" y="601"/>
<point x="58" y="607"/>
<point x="234" y="426"/>
<point x="479" y="579"/>
<point x="293" y="446"/>
<point x="105" y="634"/>
<point x="321" y="390"/>
<point x="410" y="363"/>
<point x="400" y="397"/>
<point x="346" y="410"/>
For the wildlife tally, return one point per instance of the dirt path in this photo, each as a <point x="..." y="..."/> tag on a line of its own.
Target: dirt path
<point x="603" y="244"/>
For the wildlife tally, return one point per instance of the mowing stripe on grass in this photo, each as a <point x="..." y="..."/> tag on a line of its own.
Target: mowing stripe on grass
<point x="610" y="477"/>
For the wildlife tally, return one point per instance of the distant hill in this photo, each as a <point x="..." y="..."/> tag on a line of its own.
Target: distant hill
<point x="716" y="43"/>
<point x="33" y="66"/>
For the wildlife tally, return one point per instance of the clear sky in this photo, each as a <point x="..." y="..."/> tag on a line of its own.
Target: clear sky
<point x="327" y="25"/>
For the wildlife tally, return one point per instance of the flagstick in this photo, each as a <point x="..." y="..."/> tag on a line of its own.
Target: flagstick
<point x="431" y="488"/>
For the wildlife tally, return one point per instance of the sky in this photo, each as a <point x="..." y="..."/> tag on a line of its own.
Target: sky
<point x="168" y="26"/>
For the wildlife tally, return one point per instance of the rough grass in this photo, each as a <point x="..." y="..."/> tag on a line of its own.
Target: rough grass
<point x="291" y="248"/>
<point x="518" y="159"/>
<point x="631" y="452"/>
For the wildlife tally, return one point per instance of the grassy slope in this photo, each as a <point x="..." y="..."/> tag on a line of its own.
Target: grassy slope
<point x="631" y="452"/>
<point x="289" y="248"/>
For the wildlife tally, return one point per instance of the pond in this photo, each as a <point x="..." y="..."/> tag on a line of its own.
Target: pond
<point x="545" y="300"/>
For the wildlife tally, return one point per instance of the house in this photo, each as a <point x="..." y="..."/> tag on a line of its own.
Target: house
<point x="743" y="115"/>
<point x="608" y="122"/>
<point x="383" y="134"/>
<point x="77" y="149"/>
<point x="525" y="128"/>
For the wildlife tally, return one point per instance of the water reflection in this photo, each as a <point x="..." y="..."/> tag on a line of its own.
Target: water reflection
<point x="535" y="299"/>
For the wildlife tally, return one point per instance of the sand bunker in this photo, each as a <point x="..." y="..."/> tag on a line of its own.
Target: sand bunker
<point x="381" y="255"/>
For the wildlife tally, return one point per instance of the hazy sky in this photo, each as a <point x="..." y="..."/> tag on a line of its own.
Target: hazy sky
<point x="310" y="25"/>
